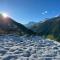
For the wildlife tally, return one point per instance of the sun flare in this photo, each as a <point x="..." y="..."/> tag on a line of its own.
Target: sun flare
<point x="4" y="15"/>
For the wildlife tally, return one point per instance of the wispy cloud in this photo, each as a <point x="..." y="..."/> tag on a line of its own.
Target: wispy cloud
<point x="57" y="15"/>
<point x="45" y="12"/>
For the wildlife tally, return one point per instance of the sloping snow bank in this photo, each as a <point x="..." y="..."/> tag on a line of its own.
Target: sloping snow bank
<point x="28" y="48"/>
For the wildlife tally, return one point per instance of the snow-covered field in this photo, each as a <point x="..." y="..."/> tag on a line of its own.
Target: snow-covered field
<point x="28" y="48"/>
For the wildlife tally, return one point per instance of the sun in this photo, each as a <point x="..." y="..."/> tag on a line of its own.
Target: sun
<point x="4" y="15"/>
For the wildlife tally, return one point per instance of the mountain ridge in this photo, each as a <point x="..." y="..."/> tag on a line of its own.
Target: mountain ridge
<point x="9" y="26"/>
<point x="50" y="28"/>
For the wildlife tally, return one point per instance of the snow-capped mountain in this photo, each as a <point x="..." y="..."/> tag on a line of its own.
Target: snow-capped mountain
<point x="30" y="24"/>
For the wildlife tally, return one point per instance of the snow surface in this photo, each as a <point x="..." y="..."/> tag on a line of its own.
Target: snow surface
<point x="28" y="48"/>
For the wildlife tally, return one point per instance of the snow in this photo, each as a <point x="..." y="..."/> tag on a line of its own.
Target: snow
<point x="28" y="48"/>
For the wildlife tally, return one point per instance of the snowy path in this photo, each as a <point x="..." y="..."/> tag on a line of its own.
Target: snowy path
<point x="28" y="48"/>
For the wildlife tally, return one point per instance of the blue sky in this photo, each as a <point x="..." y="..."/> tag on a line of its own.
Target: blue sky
<point x="24" y="11"/>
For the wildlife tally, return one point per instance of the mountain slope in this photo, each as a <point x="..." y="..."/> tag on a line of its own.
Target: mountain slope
<point x="9" y="26"/>
<point x="50" y="28"/>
